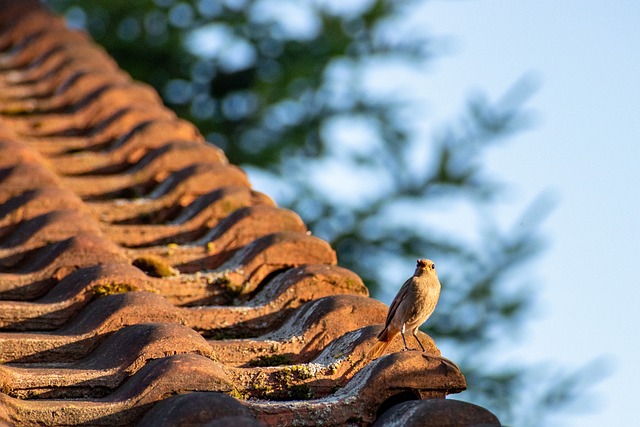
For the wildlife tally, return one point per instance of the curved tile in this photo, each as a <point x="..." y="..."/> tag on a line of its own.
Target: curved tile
<point x="75" y="339"/>
<point x="276" y="301"/>
<point x="156" y="380"/>
<point x="35" y="272"/>
<point x="104" y="123"/>
<point x="305" y="333"/>
<point x="180" y="188"/>
<point x="67" y="297"/>
<point x="111" y="99"/>
<point x="129" y="138"/>
<point x="268" y="309"/>
<point x="32" y="203"/>
<point x="198" y="408"/>
<point x="409" y="373"/>
<point x="192" y="223"/>
<point x="53" y="226"/>
<point x="21" y="20"/>
<point x="139" y="180"/>
<point x="104" y="369"/>
<point x="24" y="176"/>
<point x="250" y="265"/>
<point x="437" y="412"/>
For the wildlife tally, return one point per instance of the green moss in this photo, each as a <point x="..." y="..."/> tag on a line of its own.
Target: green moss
<point x="300" y="392"/>
<point x="223" y="281"/>
<point x="112" y="288"/>
<point x="301" y="372"/>
<point x="237" y="394"/>
<point x="332" y="369"/>
<point x="224" y="334"/>
<point x="154" y="267"/>
<point x="282" y="384"/>
<point x="262" y="390"/>
<point x="171" y="247"/>
<point x="293" y="373"/>
<point x="271" y="360"/>
<point x="284" y="377"/>
<point x="15" y="110"/>
<point x="354" y="285"/>
<point x="230" y="206"/>
<point x="232" y="289"/>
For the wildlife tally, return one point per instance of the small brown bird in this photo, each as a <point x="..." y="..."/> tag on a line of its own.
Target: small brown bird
<point x="413" y="305"/>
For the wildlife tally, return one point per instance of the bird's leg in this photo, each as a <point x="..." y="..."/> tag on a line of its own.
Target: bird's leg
<point x="415" y="336"/>
<point x="404" y="340"/>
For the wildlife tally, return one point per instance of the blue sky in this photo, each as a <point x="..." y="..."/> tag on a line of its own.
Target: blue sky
<point x="584" y="150"/>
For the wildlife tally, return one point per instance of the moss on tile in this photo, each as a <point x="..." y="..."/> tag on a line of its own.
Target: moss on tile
<point x="353" y="284"/>
<point x="300" y="392"/>
<point x="231" y="288"/>
<point x="262" y="390"/>
<point x="171" y="247"/>
<point x="289" y="379"/>
<point x="223" y="281"/>
<point x="237" y="394"/>
<point x="112" y="288"/>
<point x="271" y="360"/>
<point x="230" y="206"/>
<point x="155" y="267"/>
<point x="301" y="372"/>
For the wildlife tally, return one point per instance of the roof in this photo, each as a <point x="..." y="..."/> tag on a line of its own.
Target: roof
<point x="143" y="281"/>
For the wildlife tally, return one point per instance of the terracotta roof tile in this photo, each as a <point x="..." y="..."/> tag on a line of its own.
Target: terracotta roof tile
<point x="142" y="280"/>
<point x="448" y="412"/>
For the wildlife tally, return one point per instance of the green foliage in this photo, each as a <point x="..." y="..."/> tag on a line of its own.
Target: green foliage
<point x="281" y="100"/>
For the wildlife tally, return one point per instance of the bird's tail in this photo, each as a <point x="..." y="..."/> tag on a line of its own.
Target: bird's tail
<point x="378" y="348"/>
<point x="384" y="339"/>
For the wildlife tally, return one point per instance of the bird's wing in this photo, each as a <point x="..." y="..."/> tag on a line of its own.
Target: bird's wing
<point x="402" y="293"/>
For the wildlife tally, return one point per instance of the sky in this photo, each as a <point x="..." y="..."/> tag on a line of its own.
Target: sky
<point x="584" y="151"/>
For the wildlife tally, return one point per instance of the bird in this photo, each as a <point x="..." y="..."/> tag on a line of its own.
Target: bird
<point x="415" y="302"/>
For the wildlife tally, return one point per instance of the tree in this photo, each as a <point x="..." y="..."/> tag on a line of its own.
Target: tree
<point x="285" y="88"/>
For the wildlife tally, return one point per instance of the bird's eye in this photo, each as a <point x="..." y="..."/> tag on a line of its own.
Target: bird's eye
<point x="433" y="266"/>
